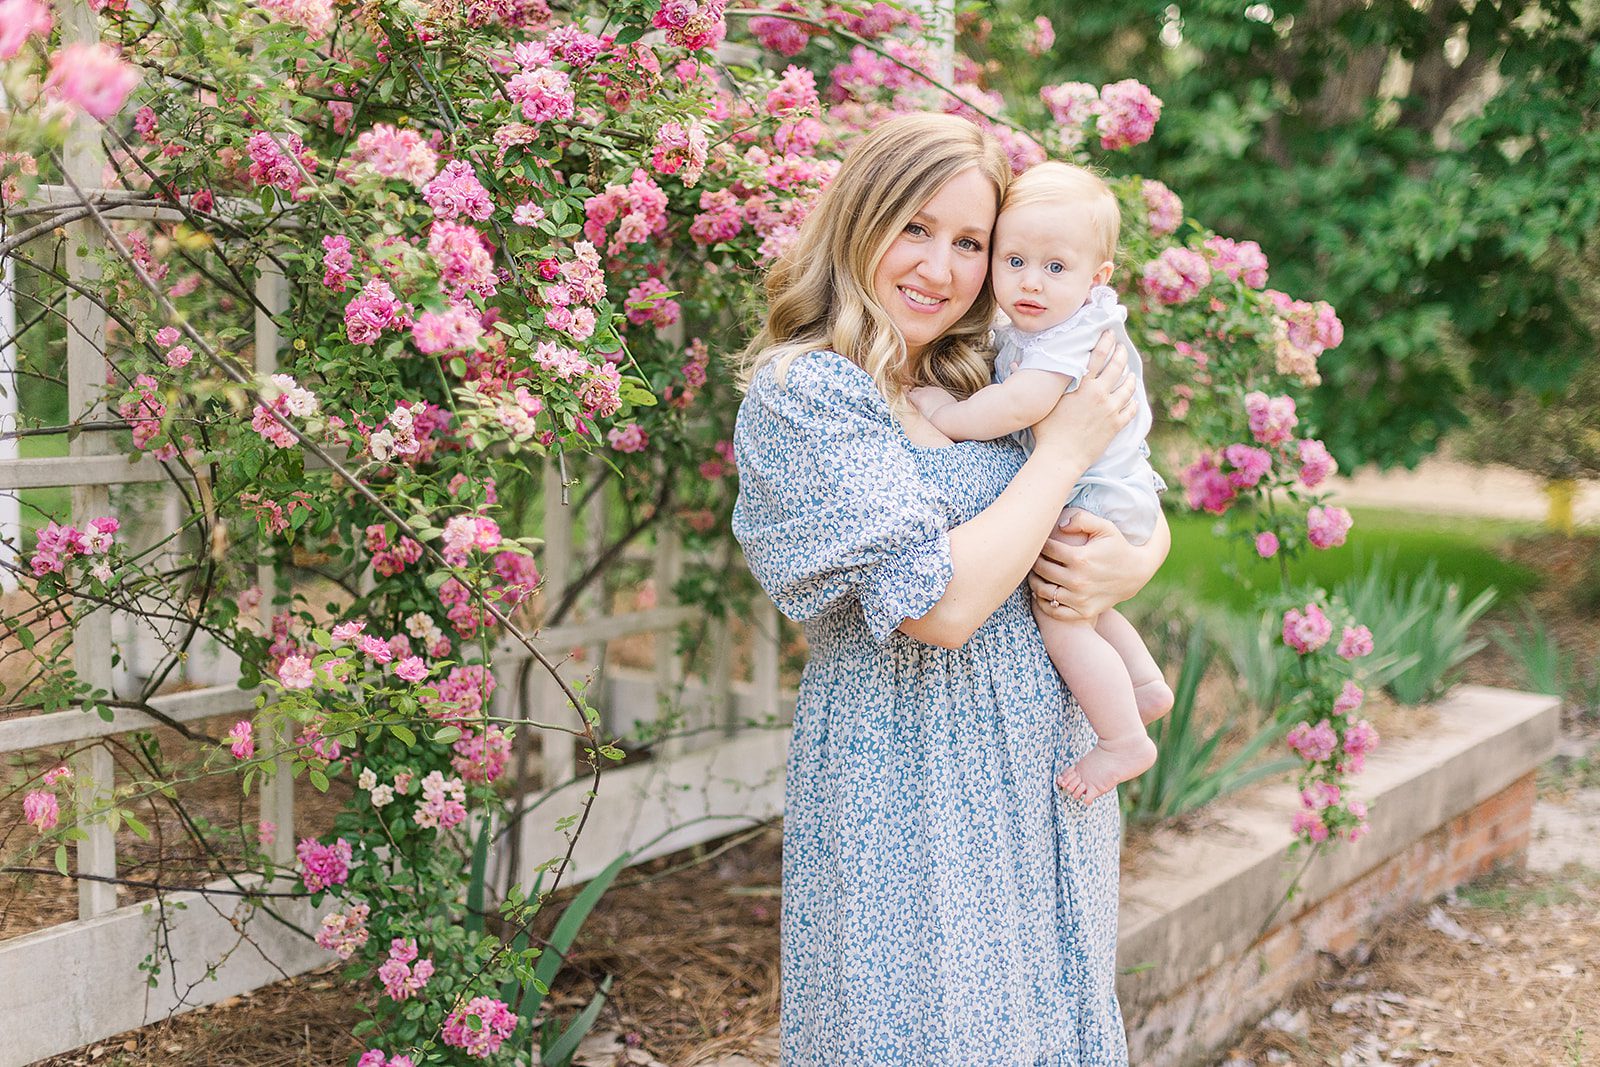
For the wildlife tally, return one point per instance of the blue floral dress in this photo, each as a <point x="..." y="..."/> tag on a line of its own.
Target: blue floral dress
<point x="943" y="905"/>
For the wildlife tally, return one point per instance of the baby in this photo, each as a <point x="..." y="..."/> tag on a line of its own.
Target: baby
<point x="1053" y="248"/>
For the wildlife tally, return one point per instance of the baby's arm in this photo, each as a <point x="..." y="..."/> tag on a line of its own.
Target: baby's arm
<point x="996" y="410"/>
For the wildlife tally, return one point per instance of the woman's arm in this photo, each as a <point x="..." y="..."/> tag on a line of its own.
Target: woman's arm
<point x="1089" y="579"/>
<point x="991" y="553"/>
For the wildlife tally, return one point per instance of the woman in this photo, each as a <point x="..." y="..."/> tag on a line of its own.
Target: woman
<point x="943" y="905"/>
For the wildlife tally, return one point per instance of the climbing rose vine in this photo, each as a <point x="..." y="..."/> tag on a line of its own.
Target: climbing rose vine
<point x="514" y="236"/>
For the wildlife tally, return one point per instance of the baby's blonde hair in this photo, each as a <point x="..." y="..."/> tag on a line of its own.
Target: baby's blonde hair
<point x="1055" y="181"/>
<point x="819" y="292"/>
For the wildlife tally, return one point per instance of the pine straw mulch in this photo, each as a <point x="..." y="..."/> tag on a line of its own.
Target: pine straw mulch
<point x="695" y="951"/>
<point x="692" y="939"/>
<point x="1503" y="973"/>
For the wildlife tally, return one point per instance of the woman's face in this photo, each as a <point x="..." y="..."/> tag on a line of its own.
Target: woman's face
<point x="935" y="268"/>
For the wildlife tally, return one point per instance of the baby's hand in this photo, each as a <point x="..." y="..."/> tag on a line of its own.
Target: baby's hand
<point x="930" y="398"/>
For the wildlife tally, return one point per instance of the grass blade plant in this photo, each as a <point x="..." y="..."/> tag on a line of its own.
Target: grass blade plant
<point x="1542" y="664"/>
<point x="1422" y="621"/>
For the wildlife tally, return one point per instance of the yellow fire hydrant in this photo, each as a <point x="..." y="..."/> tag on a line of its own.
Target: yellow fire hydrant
<point x="1561" y="492"/>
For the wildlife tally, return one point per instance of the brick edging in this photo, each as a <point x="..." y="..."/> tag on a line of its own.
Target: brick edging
<point x="1446" y="807"/>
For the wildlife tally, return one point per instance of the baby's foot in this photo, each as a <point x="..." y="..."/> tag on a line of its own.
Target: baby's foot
<point x="1154" y="699"/>
<point x="1112" y="761"/>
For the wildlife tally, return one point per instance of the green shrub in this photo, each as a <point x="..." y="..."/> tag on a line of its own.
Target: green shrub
<point x="1421" y="626"/>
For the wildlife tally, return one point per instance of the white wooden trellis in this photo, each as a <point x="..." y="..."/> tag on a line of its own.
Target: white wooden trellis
<point x="78" y="981"/>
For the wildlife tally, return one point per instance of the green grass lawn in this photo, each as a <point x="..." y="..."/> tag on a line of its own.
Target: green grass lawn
<point x="41" y="505"/>
<point x="1226" y="571"/>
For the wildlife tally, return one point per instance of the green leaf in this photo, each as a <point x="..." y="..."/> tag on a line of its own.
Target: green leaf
<point x="136" y="826"/>
<point x="403" y="734"/>
<point x="559" y="1053"/>
<point x="318" y="780"/>
<point x="61" y="859"/>
<point x="447" y="735"/>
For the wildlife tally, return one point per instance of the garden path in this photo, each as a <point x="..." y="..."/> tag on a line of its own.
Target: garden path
<point x="1445" y="486"/>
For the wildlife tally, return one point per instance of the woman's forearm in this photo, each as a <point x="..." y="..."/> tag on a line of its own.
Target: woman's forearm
<point x="992" y="553"/>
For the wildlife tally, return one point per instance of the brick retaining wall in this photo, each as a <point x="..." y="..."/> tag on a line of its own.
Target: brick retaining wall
<point x="1446" y="809"/>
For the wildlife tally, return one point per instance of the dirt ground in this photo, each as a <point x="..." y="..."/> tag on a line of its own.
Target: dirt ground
<point x="1506" y="971"/>
<point x="1503" y="973"/>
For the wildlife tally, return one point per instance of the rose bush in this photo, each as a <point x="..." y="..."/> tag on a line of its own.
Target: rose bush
<point x="512" y="236"/>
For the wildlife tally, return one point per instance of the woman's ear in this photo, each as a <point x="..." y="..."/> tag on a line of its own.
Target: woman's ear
<point x="1103" y="274"/>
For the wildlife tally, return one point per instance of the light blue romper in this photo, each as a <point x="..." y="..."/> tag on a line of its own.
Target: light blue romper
<point x="1121" y="485"/>
<point x="943" y="904"/>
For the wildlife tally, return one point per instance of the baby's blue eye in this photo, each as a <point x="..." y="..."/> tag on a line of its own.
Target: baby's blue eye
<point x="1013" y="262"/>
<point x="1054" y="267"/>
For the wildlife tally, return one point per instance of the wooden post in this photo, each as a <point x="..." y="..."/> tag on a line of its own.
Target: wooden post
<point x="277" y="792"/>
<point x="550" y="702"/>
<point x="668" y="680"/>
<point x="594" y="598"/>
<point x="719" y="669"/>
<point x="86" y="381"/>
<point x="767" y="646"/>
<point x="10" y="409"/>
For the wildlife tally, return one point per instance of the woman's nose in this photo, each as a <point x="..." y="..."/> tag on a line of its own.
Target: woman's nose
<point x="935" y="265"/>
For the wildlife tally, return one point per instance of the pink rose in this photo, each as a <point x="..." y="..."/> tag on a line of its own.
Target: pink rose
<point x="1306" y="631"/>
<point x="92" y="77"/>
<point x="1326" y="527"/>
<point x="1356" y="642"/>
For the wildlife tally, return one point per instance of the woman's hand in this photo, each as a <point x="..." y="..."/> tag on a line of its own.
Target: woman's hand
<point x="1088" y="567"/>
<point x="1105" y="401"/>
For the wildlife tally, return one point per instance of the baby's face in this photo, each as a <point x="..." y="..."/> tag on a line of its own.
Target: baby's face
<point x="1044" y="263"/>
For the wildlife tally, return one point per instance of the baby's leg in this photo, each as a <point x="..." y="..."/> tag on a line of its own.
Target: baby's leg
<point x="1150" y="691"/>
<point x="1095" y="673"/>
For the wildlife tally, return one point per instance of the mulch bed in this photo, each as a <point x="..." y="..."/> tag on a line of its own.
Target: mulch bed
<point x="1504" y="975"/>
<point x="694" y="937"/>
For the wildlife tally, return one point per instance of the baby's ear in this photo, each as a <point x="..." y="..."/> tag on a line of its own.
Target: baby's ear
<point x="1103" y="274"/>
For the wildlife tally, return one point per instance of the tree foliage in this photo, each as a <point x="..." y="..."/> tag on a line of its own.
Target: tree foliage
<point x="1427" y="167"/>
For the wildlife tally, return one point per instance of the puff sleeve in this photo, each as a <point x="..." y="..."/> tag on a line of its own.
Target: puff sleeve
<point x="832" y="512"/>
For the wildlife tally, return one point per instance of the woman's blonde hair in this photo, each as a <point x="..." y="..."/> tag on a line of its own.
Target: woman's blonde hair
<point x="819" y="292"/>
<point x="1056" y="181"/>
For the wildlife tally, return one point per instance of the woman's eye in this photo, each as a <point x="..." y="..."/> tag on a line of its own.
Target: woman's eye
<point x="1014" y="262"/>
<point x="1055" y="267"/>
<point x="916" y="229"/>
<point x="970" y="244"/>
